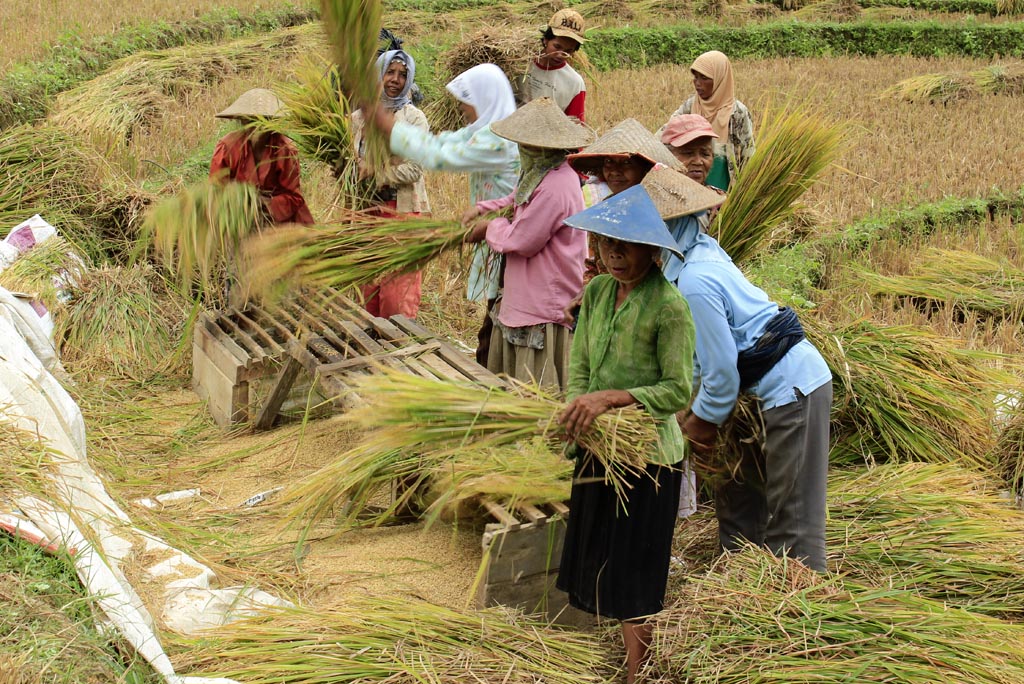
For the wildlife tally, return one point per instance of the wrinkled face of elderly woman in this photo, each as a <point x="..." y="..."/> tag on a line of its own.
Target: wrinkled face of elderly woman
<point x="624" y="172"/>
<point x="627" y="262"/>
<point x="696" y="157"/>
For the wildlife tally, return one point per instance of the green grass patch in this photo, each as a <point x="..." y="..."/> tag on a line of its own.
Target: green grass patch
<point x="26" y="90"/>
<point x="47" y="624"/>
<point x="618" y="48"/>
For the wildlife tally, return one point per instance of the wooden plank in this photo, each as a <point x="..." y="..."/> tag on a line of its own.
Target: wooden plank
<point x="337" y="391"/>
<point x="243" y="338"/>
<point x="240" y="355"/>
<point x="522" y="551"/>
<point x="536" y="595"/>
<point x="467" y="366"/>
<point x="267" y="342"/>
<point x="532" y="513"/>
<point x="320" y="348"/>
<point x="379" y="358"/>
<point x="560" y="508"/>
<point x="282" y="385"/>
<point x="502" y="514"/>
<point x="262" y="318"/>
<point x="365" y="343"/>
<point x="219" y="391"/>
<point x="220" y="357"/>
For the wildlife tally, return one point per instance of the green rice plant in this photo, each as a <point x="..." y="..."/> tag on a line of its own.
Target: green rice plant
<point x="396" y="640"/>
<point x="794" y="146"/>
<point x="136" y="89"/>
<point x="198" y="231"/>
<point x="933" y="88"/>
<point x="119" y="320"/>
<point x="966" y="280"/>
<point x="362" y="249"/>
<point x="941" y="531"/>
<point x="907" y="394"/>
<point x="353" y="30"/>
<point x="754" y="618"/>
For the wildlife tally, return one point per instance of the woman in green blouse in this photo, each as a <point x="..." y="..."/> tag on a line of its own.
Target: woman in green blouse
<point x="634" y="344"/>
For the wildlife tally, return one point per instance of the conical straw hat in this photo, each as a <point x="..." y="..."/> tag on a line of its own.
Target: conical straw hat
<point x="540" y="123"/>
<point x="252" y="104"/>
<point x="629" y="216"/>
<point x="624" y="140"/>
<point x="678" y="195"/>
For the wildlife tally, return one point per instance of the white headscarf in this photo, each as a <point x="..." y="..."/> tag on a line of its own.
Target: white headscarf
<point x="486" y="88"/>
<point x="383" y="62"/>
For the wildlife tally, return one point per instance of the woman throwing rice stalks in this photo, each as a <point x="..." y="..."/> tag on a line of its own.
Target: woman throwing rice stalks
<point x="746" y="343"/>
<point x="634" y="345"/>
<point x="484" y="96"/>
<point x="543" y="256"/>
<point x="399" y="188"/>
<point x="715" y="100"/>
<point x="267" y="160"/>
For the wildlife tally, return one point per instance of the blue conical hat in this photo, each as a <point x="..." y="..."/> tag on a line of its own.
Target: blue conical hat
<point x="630" y="216"/>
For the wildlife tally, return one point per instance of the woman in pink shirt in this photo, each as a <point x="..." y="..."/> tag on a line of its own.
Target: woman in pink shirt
<point x="543" y="256"/>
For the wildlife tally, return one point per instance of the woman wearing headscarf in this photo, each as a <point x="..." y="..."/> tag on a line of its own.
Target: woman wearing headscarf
<point x="715" y="100"/>
<point x="484" y="96"/>
<point x="543" y="256"/>
<point x="266" y="160"/>
<point x="633" y="346"/>
<point x="399" y="186"/>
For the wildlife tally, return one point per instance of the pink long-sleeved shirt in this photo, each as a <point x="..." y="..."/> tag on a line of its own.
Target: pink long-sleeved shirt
<point x="543" y="256"/>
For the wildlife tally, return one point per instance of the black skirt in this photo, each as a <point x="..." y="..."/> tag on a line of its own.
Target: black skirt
<point x="615" y="560"/>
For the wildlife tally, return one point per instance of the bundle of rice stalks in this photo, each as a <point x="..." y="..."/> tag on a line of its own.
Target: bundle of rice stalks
<point x="198" y="231"/>
<point x="933" y="88"/>
<point x="353" y="30"/>
<point x="134" y="90"/>
<point x="120" y="320"/>
<point x="941" y="531"/>
<point x="395" y="640"/>
<point x="508" y="46"/>
<point x="526" y="473"/>
<point x="966" y="280"/>
<point x="741" y="440"/>
<point x="1001" y="79"/>
<point x="44" y="271"/>
<point x="1010" y="7"/>
<point x="363" y="249"/>
<point x="417" y="428"/>
<point x="907" y="394"/>
<point x="793" y="147"/>
<point x="755" y="618"/>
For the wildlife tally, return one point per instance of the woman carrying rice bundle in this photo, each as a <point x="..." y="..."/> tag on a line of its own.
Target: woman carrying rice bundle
<point x="399" y="187"/>
<point x="543" y="256"/>
<point x="484" y="96"/>
<point x="715" y="100"/>
<point x="747" y="343"/>
<point x="633" y="345"/>
<point x="269" y="161"/>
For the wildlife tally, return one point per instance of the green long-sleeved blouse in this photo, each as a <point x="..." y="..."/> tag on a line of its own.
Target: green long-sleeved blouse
<point x="645" y="347"/>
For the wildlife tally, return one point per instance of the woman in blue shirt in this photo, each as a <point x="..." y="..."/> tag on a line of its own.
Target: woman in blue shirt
<point x="746" y="343"/>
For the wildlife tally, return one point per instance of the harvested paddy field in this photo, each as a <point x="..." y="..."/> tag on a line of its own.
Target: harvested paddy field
<point x="375" y="540"/>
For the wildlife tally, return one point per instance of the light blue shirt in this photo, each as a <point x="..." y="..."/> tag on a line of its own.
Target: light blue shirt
<point x="730" y="314"/>
<point x="493" y="166"/>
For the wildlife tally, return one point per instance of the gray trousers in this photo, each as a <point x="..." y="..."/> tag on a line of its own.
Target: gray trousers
<point x="780" y="503"/>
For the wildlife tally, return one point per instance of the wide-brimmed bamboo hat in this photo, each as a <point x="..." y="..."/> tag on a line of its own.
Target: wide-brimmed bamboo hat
<point x="258" y="103"/>
<point x="624" y="140"/>
<point x="541" y="123"/>
<point x="629" y="216"/>
<point x="676" y="194"/>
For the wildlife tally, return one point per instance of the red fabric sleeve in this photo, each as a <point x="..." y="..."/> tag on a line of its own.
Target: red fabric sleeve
<point x="219" y="164"/>
<point x="287" y="205"/>
<point x="575" y="107"/>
